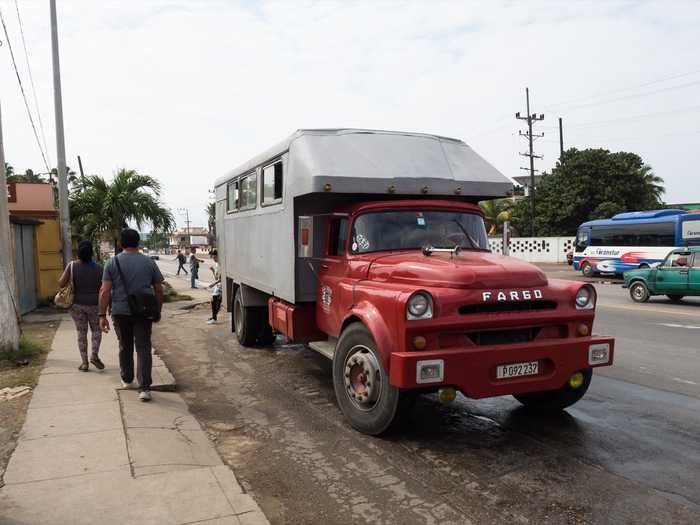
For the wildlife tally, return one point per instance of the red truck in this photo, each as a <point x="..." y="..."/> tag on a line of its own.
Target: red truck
<point x="372" y="250"/>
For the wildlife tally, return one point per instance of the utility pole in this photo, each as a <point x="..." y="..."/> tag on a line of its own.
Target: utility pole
<point x="531" y="119"/>
<point x="561" y="142"/>
<point x="60" y="142"/>
<point x="9" y="327"/>
<point x="80" y="165"/>
<point x="187" y="222"/>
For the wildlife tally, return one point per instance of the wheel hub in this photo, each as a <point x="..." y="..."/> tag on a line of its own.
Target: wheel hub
<point x="362" y="377"/>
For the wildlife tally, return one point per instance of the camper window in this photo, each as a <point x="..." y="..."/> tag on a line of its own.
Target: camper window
<point x="272" y="184"/>
<point x="232" y="196"/>
<point x="248" y="186"/>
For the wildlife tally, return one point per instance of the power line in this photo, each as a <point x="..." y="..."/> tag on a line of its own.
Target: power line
<point x="626" y="97"/>
<point x="600" y="123"/>
<point x="31" y="81"/>
<point x="24" y="95"/>
<point x="618" y="90"/>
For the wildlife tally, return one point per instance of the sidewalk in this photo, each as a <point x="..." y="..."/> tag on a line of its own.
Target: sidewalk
<point x="89" y="453"/>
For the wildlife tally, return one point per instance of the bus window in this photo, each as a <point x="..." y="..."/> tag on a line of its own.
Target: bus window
<point x="581" y="240"/>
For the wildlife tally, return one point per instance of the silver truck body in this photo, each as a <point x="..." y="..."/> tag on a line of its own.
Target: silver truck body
<point x="320" y="171"/>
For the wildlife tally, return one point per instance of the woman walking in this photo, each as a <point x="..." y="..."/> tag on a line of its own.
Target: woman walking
<point x="87" y="279"/>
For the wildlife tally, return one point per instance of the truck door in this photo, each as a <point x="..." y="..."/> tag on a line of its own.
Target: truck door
<point x="334" y="292"/>
<point x="672" y="275"/>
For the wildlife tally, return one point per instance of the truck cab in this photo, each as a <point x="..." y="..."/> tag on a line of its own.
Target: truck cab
<point x="394" y="282"/>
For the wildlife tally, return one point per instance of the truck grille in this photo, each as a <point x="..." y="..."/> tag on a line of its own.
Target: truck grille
<point x="514" y="306"/>
<point x="503" y="337"/>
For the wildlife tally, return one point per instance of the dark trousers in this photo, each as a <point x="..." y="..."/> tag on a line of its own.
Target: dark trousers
<point x="215" y="305"/>
<point x="134" y="332"/>
<point x="181" y="266"/>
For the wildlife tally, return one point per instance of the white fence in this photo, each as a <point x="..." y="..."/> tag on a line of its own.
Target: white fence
<point x="535" y="249"/>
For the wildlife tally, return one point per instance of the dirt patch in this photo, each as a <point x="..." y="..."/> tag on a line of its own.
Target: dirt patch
<point x="36" y="342"/>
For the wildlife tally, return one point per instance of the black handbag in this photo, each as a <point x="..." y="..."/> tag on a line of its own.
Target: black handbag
<point x="142" y="305"/>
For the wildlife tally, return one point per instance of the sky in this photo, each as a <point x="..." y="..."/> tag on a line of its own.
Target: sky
<point x="185" y="90"/>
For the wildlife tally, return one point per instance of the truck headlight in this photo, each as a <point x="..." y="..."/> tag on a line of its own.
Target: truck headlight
<point x="419" y="306"/>
<point x="585" y="298"/>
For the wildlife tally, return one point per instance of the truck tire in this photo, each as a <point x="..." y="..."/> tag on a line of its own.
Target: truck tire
<point x="556" y="400"/>
<point x="361" y="384"/>
<point x="639" y="292"/>
<point x="267" y="336"/>
<point x="245" y="321"/>
<point x="675" y="298"/>
<point x="587" y="270"/>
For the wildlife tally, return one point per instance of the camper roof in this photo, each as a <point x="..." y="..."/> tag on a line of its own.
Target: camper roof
<point x="373" y="161"/>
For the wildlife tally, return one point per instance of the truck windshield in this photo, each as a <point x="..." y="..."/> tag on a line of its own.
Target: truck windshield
<point x="406" y="230"/>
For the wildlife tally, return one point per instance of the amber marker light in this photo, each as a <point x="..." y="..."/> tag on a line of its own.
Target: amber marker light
<point x="419" y="342"/>
<point x="582" y="329"/>
<point x="576" y="380"/>
<point x="447" y="394"/>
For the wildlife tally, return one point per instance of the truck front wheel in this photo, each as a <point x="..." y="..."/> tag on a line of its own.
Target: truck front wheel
<point x="361" y="384"/>
<point x="556" y="400"/>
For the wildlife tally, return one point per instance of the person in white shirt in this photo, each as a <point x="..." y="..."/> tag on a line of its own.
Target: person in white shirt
<point x="215" y="288"/>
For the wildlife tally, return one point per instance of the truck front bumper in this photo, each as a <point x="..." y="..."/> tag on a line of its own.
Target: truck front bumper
<point x="473" y="370"/>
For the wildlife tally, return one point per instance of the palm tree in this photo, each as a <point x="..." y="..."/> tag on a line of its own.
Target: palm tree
<point x="653" y="183"/>
<point x="9" y="170"/>
<point x="492" y="213"/>
<point x="101" y="209"/>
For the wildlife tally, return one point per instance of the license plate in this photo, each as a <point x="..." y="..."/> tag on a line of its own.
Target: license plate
<point x="530" y="368"/>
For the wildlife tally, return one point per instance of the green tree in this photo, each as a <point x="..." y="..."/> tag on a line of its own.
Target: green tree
<point x="589" y="184"/>
<point x="101" y="209"/>
<point x="28" y="176"/>
<point x="9" y="171"/>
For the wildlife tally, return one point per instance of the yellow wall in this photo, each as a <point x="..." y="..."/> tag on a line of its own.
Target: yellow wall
<point x="49" y="261"/>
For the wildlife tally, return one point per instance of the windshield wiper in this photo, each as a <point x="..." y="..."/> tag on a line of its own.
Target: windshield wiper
<point x="471" y="240"/>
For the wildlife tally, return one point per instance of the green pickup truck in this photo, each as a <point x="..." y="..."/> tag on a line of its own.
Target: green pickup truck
<point x="676" y="277"/>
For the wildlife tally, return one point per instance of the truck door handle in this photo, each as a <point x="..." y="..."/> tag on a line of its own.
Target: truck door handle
<point x="324" y="267"/>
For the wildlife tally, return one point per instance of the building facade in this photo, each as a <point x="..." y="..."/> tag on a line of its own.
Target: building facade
<point x="36" y="240"/>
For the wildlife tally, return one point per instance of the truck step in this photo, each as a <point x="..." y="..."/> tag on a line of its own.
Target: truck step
<point x="325" y="348"/>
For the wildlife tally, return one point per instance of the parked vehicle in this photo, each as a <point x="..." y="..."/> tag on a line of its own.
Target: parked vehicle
<point x="369" y="247"/>
<point x="633" y="240"/>
<point x="676" y="277"/>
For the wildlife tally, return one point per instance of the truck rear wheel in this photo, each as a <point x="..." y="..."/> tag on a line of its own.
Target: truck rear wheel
<point x="556" y="400"/>
<point x="361" y="384"/>
<point x="245" y="321"/>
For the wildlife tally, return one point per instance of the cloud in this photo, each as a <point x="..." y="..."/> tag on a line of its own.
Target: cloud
<point x="184" y="91"/>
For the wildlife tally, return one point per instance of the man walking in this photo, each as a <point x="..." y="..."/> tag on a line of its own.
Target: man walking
<point x="194" y="266"/>
<point x="181" y="259"/>
<point x="216" y="288"/>
<point x="127" y="276"/>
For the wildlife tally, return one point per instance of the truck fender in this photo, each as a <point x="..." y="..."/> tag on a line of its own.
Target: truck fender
<point x="253" y="296"/>
<point x="371" y="317"/>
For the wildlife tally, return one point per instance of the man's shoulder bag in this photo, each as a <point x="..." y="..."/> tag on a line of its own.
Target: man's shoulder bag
<point x="142" y="305"/>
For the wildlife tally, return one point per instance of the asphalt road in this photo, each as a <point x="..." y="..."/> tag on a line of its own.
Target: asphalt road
<point x="629" y="452"/>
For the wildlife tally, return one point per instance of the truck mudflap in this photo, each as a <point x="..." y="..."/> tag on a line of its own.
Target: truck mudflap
<point x="473" y="370"/>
